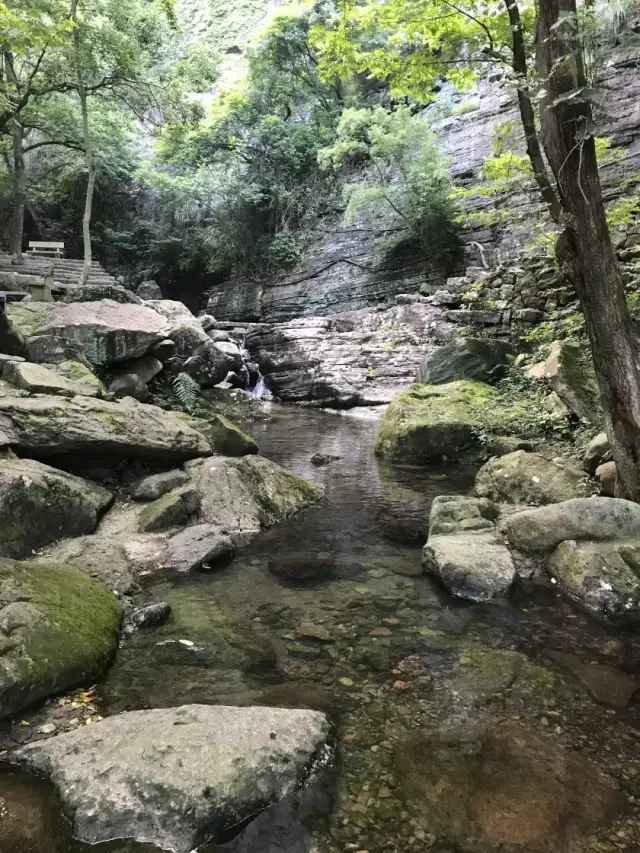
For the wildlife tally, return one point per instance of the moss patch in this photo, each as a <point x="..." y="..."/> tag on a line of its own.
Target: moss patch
<point x="429" y="423"/>
<point x="278" y="493"/>
<point x="63" y="626"/>
<point x="225" y="437"/>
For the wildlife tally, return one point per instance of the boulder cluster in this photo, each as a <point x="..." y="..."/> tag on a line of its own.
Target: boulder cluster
<point x="97" y="486"/>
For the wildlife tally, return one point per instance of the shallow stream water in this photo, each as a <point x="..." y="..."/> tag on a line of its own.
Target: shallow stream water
<point x="393" y="659"/>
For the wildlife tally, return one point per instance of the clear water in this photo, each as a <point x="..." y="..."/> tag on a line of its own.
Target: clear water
<point x="379" y="646"/>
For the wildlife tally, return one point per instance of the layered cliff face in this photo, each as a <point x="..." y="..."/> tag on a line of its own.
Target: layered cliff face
<point x="350" y="268"/>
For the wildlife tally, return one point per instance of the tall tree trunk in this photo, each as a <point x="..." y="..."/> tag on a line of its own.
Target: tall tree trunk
<point x="584" y="248"/>
<point x="19" y="175"/>
<point x="91" y="180"/>
<point x="19" y="191"/>
<point x="88" y="152"/>
<point x="527" y="114"/>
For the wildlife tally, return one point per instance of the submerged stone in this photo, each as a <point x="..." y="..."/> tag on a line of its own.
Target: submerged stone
<point x="505" y="787"/>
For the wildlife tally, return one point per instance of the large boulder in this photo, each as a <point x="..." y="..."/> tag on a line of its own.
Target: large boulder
<point x="241" y="496"/>
<point x="201" y="546"/>
<point x="209" y="363"/>
<point x="542" y="529"/>
<point x="48" y="425"/>
<point x="108" y="331"/>
<point x="466" y="358"/>
<point x="569" y="370"/>
<point x="67" y="379"/>
<point x="176" y="777"/>
<point x="528" y="478"/>
<point x="39" y="504"/>
<point x="601" y="577"/>
<point x="465" y="550"/>
<point x="429" y="423"/>
<point x="505" y="787"/>
<point x="58" y="627"/>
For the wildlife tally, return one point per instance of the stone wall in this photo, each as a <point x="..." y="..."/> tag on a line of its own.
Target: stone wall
<point x="350" y="268"/>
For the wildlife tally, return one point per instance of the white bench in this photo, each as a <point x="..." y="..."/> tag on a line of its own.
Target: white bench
<point x="37" y="248"/>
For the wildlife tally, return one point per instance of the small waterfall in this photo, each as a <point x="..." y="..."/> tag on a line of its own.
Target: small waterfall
<point x="255" y="382"/>
<point x="260" y="389"/>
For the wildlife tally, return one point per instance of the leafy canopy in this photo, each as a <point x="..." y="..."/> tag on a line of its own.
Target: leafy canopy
<point x="413" y="44"/>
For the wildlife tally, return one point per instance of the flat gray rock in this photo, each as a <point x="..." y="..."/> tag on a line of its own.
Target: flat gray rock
<point x="107" y="331"/>
<point x="175" y="777"/>
<point x="197" y="547"/>
<point x="47" y="425"/>
<point x="156" y="485"/>
<point x="475" y="565"/>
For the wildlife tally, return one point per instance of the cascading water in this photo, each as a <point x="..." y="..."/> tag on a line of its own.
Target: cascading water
<point x="255" y="381"/>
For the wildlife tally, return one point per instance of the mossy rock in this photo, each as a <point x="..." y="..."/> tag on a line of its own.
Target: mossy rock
<point x="59" y="627"/>
<point x="278" y="493"/>
<point x="39" y="504"/>
<point x="172" y="510"/>
<point x="435" y="423"/>
<point x="529" y="478"/>
<point x="225" y="437"/>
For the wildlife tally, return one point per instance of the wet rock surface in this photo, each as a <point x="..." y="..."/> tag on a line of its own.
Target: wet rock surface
<point x="465" y="550"/>
<point x="179" y="776"/>
<point x="504" y="787"/>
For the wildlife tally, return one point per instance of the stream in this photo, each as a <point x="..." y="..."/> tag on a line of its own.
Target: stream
<point x="392" y="658"/>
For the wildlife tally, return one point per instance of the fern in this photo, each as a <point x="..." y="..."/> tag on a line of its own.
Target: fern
<point x="186" y="390"/>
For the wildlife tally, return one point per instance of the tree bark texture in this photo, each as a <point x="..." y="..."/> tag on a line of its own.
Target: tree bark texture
<point x="584" y="248"/>
<point x="19" y="173"/>
<point x="527" y="115"/>
<point x="19" y="191"/>
<point x="88" y="152"/>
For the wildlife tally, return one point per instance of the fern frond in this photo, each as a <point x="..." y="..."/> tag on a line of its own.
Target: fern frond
<point x="186" y="390"/>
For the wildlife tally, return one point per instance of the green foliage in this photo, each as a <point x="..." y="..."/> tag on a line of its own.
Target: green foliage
<point x="243" y="186"/>
<point x="406" y="174"/>
<point x="186" y="391"/>
<point x="412" y="44"/>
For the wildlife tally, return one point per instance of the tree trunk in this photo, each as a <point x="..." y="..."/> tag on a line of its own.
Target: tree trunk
<point x="19" y="191"/>
<point x="584" y="248"/>
<point x="86" y="228"/>
<point x="527" y="114"/>
<point x="86" y="134"/>
<point x="19" y="175"/>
